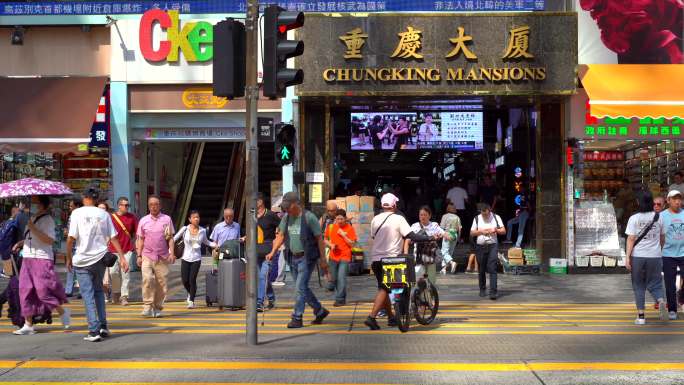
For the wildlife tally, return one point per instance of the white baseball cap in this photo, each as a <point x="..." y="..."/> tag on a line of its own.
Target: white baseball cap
<point x="389" y="200"/>
<point x="673" y="193"/>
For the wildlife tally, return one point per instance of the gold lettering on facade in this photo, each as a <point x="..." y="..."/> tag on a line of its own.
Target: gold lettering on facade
<point x="434" y="75"/>
<point x="354" y="40"/>
<point x="409" y="44"/>
<point x="460" y="45"/>
<point x="519" y="44"/>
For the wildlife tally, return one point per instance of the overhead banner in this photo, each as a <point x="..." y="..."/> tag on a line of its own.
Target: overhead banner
<point x="233" y="6"/>
<point x="439" y="54"/>
<point x="630" y="32"/>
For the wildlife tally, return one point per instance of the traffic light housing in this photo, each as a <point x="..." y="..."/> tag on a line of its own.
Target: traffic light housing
<point x="285" y="144"/>
<point x="277" y="49"/>
<point x="229" y="59"/>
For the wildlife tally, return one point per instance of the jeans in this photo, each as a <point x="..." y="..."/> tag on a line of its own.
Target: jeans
<point x="446" y="251"/>
<point x="120" y="278"/>
<point x="281" y="267"/>
<point x="339" y="271"/>
<point x="670" y="265"/>
<point x="69" y="284"/>
<point x="646" y="276"/>
<point x="189" y="271"/>
<point x="301" y="270"/>
<point x="265" y="287"/>
<point x="90" y="283"/>
<point x="487" y="262"/>
<point x="520" y="220"/>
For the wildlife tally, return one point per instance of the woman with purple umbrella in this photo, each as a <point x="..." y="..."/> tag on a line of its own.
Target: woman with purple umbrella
<point x="40" y="290"/>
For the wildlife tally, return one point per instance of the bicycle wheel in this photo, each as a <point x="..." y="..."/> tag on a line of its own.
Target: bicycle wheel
<point x="402" y="313"/>
<point x="426" y="303"/>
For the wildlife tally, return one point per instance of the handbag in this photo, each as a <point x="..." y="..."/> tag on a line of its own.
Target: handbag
<point x="179" y="245"/>
<point x="109" y="259"/>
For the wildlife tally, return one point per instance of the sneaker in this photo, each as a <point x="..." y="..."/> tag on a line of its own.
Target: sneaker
<point x="339" y="303"/>
<point x="319" y="318"/>
<point x="672" y="315"/>
<point x="382" y="313"/>
<point x="278" y="283"/>
<point x="149" y="313"/>
<point x="92" y="338"/>
<point x="295" y="324"/>
<point x="443" y="271"/>
<point x="640" y="321"/>
<point x="271" y="305"/>
<point x="124" y="301"/>
<point x="187" y="299"/>
<point x="483" y="293"/>
<point x="191" y="305"/>
<point x="66" y="318"/>
<point x="25" y="331"/>
<point x="260" y="308"/>
<point x="392" y="322"/>
<point x="493" y="296"/>
<point x="662" y="307"/>
<point x="371" y="323"/>
<point x="157" y="314"/>
<point x="104" y="333"/>
<point x="452" y="267"/>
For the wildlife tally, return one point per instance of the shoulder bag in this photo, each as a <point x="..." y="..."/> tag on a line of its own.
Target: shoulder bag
<point x="645" y="230"/>
<point x="179" y="245"/>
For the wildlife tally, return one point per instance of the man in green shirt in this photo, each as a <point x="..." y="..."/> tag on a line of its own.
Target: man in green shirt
<point x="304" y="247"/>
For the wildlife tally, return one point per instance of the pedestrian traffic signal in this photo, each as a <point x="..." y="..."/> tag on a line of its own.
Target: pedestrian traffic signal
<point x="277" y="49"/>
<point x="285" y="144"/>
<point x="229" y="59"/>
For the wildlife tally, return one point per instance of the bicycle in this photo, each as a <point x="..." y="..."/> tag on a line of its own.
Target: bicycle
<point x="421" y="301"/>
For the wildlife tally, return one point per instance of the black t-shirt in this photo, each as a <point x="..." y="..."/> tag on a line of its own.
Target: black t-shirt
<point x="268" y="223"/>
<point x="374" y="131"/>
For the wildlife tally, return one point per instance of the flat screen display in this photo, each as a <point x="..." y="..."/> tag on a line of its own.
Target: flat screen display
<point x="383" y="131"/>
<point x="444" y="130"/>
<point x="462" y="130"/>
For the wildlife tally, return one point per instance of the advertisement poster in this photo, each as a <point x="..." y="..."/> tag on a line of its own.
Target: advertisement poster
<point x="630" y="32"/>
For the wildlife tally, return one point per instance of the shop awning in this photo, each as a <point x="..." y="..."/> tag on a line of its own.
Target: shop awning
<point x="627" y="90"/>
<point x="47" y="114"/>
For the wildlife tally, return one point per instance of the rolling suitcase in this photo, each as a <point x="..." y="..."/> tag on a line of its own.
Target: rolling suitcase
<point x="232" y="283"/>
<point x="211" y="284"/>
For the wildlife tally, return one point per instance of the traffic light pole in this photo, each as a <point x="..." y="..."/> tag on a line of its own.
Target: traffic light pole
<point x="252" y="164"/>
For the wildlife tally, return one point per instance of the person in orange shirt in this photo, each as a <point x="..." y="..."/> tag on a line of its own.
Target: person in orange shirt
<point x="340" y="237"/>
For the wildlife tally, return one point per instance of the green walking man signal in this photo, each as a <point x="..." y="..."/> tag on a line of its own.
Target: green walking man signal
<point x="285" y="144"/>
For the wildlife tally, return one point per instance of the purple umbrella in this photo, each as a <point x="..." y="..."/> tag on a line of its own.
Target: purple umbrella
<point x="32" y="186"/>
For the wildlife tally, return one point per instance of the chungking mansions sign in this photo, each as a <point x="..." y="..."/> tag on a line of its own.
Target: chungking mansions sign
<point x="439" y="54"/>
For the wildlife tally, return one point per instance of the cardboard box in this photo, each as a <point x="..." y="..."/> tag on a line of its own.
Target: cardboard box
<point x="362" y="233"/>
<point x="367" y="204"/>
<point x="341" y="203"/>
<point x="366" y="218"/>
<point x="353" y="217"/>
<point x="353" y="204"/>
<point x="515" y="253"/>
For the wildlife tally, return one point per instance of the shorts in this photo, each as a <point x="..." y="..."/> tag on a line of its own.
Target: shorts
<point x="376" y="268"/>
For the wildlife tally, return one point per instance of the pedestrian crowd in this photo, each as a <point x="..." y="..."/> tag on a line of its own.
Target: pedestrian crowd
<point x="104" y="245"/>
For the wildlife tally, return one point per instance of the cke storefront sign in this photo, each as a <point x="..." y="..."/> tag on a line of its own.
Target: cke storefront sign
<point x="193" y="39"/>
<point x="405" y="54"/>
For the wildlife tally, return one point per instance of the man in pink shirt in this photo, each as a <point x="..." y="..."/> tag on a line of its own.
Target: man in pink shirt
<point x="155" y="252"/>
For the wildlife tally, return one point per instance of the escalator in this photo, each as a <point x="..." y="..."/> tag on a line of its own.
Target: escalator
<point x="214" y="179"/>
<point x="208" y="174"/>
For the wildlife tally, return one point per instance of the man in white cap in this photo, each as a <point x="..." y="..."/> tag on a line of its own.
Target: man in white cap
<point x="388" y="231"/>
<point x="672" y="239"/>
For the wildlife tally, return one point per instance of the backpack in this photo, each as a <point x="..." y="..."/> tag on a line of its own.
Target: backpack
<point x="8" y="237"/>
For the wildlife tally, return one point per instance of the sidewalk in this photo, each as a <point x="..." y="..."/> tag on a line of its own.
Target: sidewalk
<point x="545" y="288"/>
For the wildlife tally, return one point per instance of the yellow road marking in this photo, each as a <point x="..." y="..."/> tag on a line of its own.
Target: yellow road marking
<point x="346" y="366"/>
<point x="413" y="331"/>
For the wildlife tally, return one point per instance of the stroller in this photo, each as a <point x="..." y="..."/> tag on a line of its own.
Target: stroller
<point x="11" y="296"/>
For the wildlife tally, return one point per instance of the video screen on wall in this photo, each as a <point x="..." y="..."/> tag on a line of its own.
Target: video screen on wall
<point x="443" y="130"/>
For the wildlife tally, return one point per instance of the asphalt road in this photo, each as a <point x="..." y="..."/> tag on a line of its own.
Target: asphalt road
<point x="543" y="330"/>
